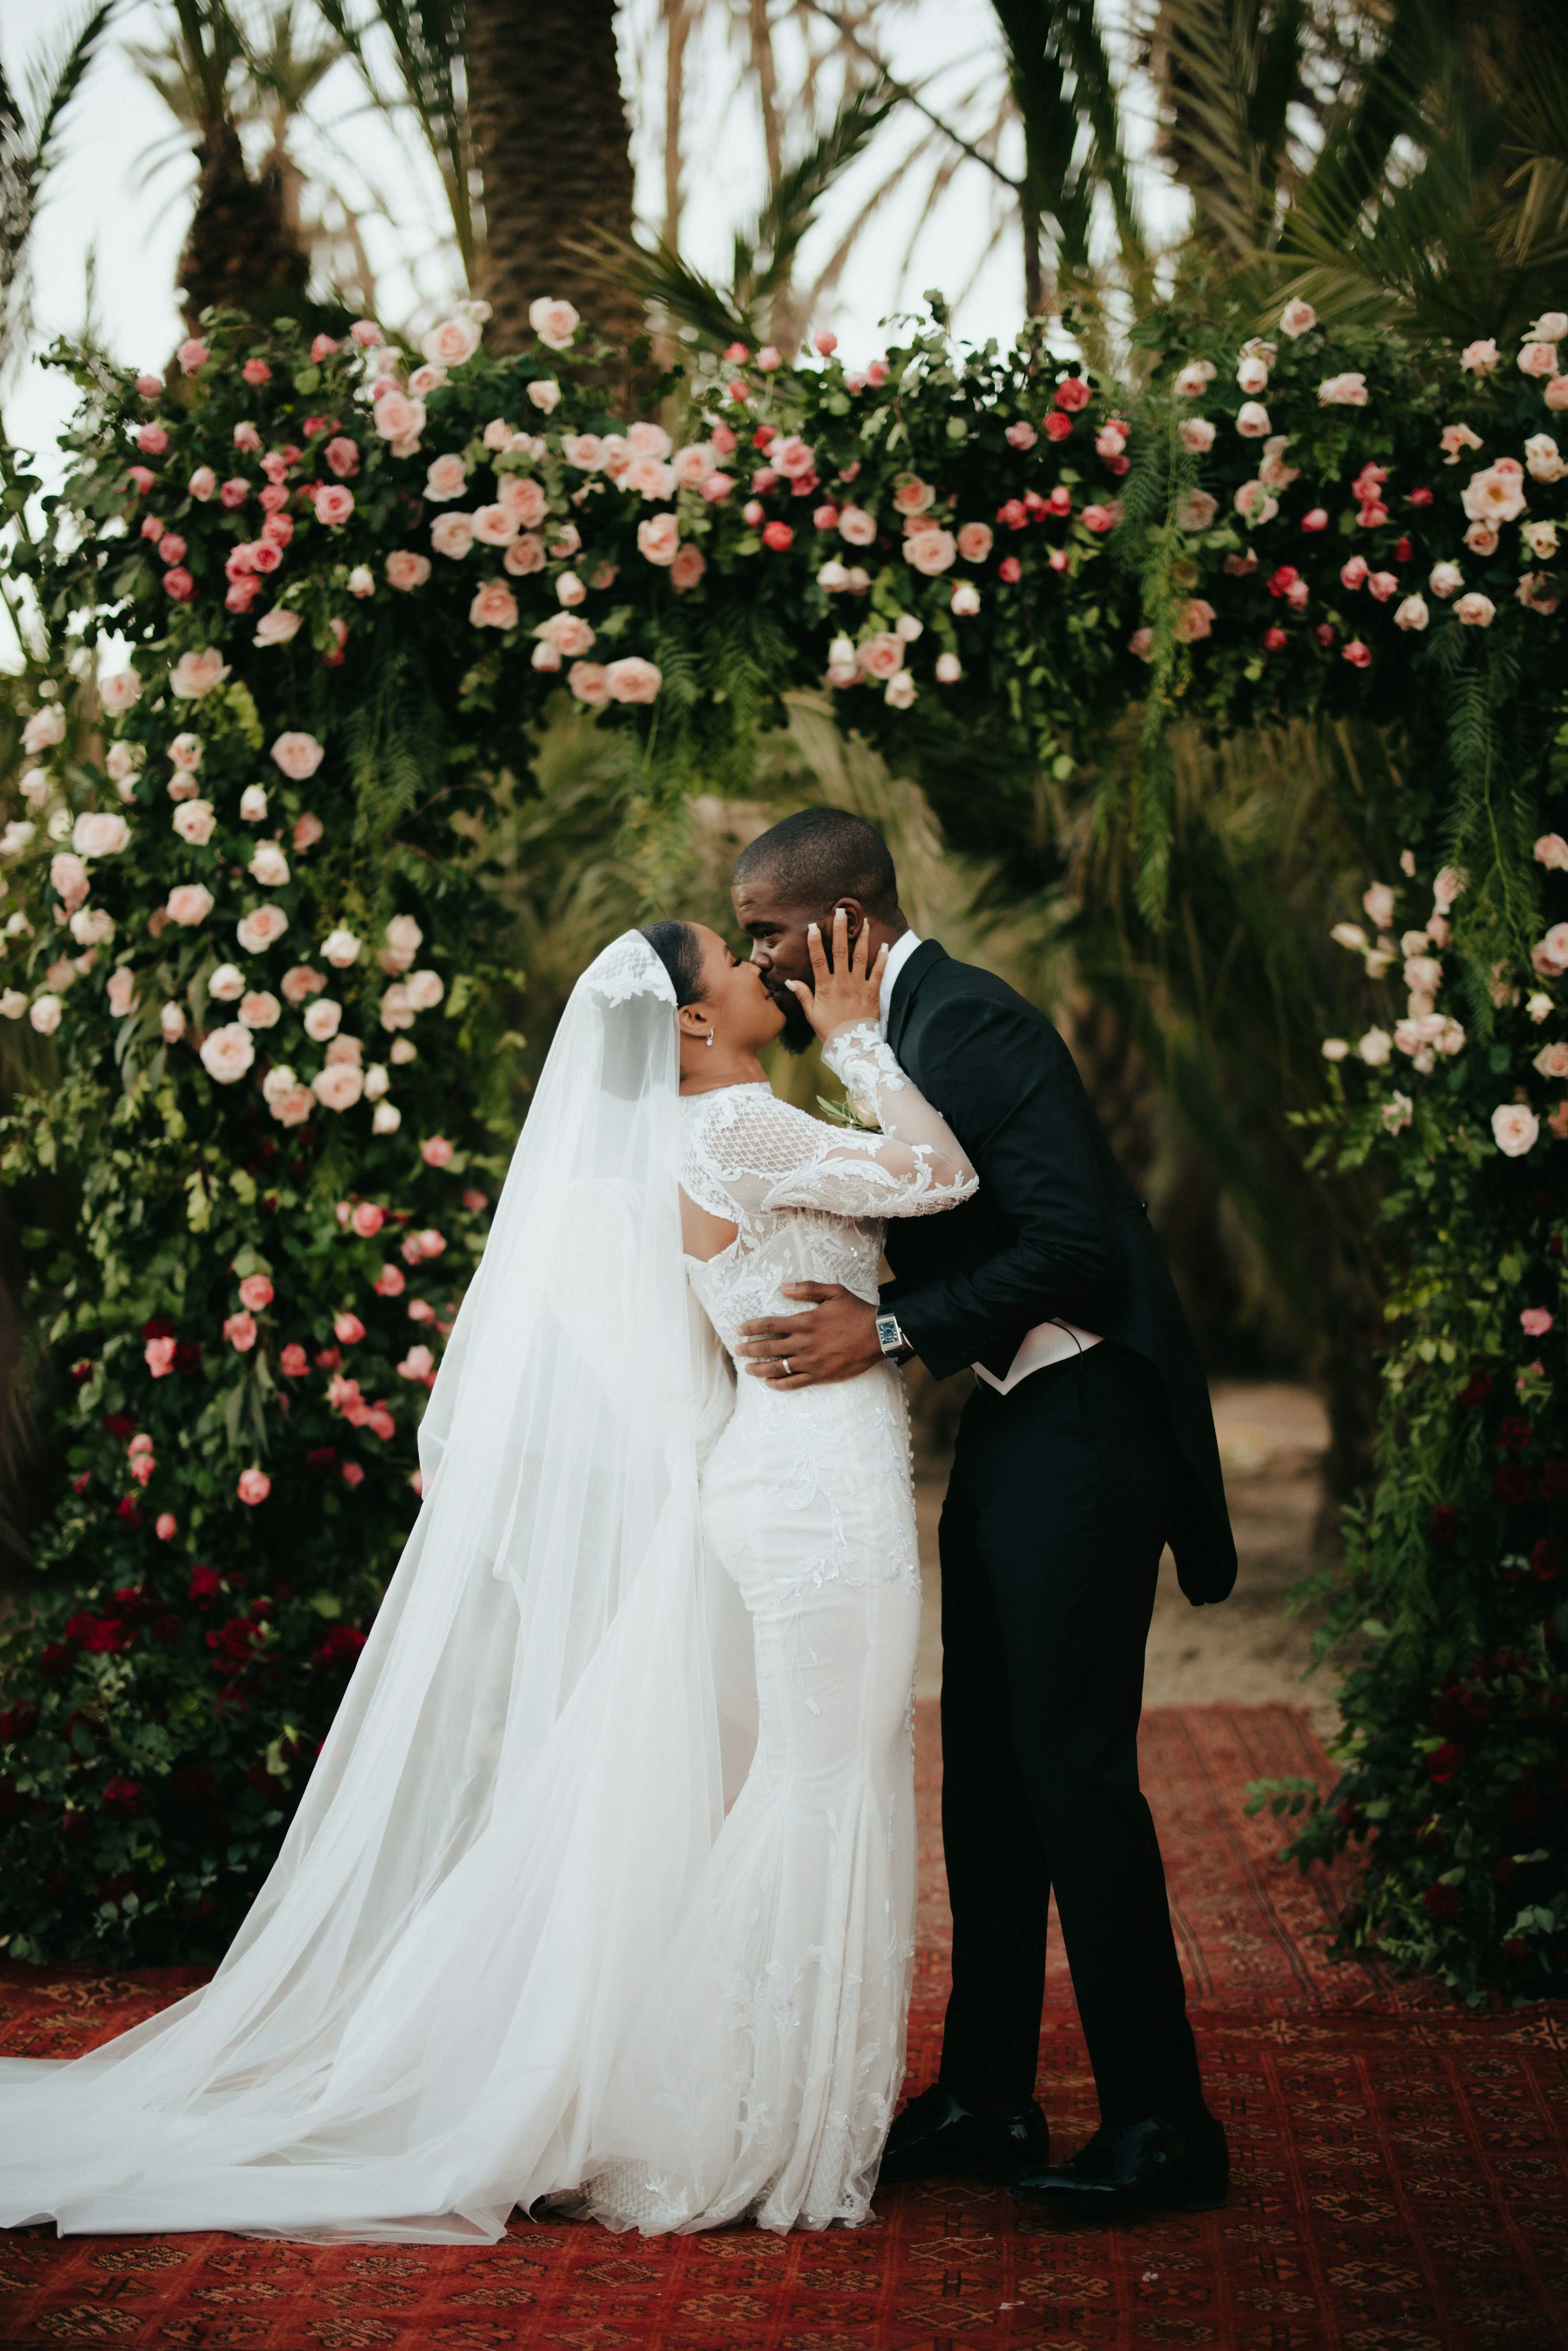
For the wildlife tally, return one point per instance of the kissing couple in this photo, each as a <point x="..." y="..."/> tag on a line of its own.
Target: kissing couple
<point x="601" y="1893"/>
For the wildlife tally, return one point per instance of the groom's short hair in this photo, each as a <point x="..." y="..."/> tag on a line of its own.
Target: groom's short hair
<point x="820" y="855"/>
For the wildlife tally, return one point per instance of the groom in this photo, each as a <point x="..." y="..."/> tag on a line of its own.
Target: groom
<point x="1087" y="1445"/>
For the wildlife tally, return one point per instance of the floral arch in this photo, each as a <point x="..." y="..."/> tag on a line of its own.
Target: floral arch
<point x="246" y="931"/>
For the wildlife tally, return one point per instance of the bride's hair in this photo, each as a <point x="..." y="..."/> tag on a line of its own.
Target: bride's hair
<point x="679" y="949"/>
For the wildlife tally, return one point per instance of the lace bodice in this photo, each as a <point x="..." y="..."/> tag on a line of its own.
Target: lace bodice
<point x="809" y="1200"/>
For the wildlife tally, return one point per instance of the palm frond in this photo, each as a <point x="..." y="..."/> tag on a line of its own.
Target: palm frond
<point x="29" y="149"/>
<point x="426" y="37"/>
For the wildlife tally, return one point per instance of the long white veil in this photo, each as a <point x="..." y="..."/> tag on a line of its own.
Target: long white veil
<point x="414" y="2028"/>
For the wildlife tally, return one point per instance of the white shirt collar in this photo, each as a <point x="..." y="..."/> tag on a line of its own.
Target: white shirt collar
<point x="899" y="955"/>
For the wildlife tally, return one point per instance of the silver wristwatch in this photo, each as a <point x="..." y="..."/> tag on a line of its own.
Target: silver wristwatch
<point x="890" y="1339"/>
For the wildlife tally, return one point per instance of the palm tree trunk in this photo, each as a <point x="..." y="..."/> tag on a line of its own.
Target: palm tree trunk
<point x="240" y="251"/>
<point x="549" y="133"/>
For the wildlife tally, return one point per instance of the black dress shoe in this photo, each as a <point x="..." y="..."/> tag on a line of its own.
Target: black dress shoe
<point x="935" y="2138"/>
<point x="1184" y="2167"/>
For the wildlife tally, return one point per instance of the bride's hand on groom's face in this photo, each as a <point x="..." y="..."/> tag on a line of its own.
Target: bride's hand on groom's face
<point x="837" y="1340"/>
<point x="847" y="991"/>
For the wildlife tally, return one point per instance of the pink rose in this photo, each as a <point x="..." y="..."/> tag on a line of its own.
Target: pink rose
<point x="278" y="627"/>
<point x="299" y="756"/>
<point x="189" y="904"/>
<point x="333" y="502"/>
<point x="659" y="538"/>
<point x="300" y="982"/>
<point x="165" y="1526"/>
<point x="323" y="1020"/>
<point x="522" y="498"/>
<point x="204" y="482"/>
<point x="338" y="1086"/>
<point x="424" y="990"/>
<point x="1296" y="317"/>
<point x="419" y="1364"/>
<point x="261" y="929"/>
<point x="1357" y="653"/>
<point x="158" y="1357"/>
<point x="1535" y="1321"/>
<point x="194" y="674"/>
<point x="1101" y="517"/>
<point x="554" y="322"/>
<point x="1347" y="390"/>
<point x="1515" y="1129"/>
<point x="342" y="457"/>
<point x="293" y="1363"/>
<point x="347" y="1330"/>
<point x="227" y="1053"/>
<point x="493" y="526"/>
<point x="398" y="418"/>
<point x="1476" y="611"/>
<point x="122" y="992"/>
<point x="139" y="479"/>
<point x="1552" y="851"/>
<point x="451" y="343"/>
<point x="448" y="478"/>
<point x="1383" y="584"/>
<point x="1194" y="620"/>
<point x="254" y="1487"/>
<point x="195" y="822"/>
<point x="911" y="496"/>
<point x="589" y="682"/>
<point x="931" y="551"/>
<point x="633" y="680"/>
<point x="259" y="1008"/>
<point x="390" y="1282"/>
<point x="437" y="1151"/>
<point x="119" y="690"/>
<point x="792" y="457"/>
<point x="495" y="607"/>
<point x="567" y="634"/>
<point x="1072" y="394"/>
<point x="882" y="656"/>
<point x="180" y="584"/>
<point x="257" y="1292"/>
<point x="688" y="567"/>
<point x="857" y="525"/>
<point x="452" y="535"/>
<point x="1539" y="358"/>
<point x="405" y="569"/>
<point x="430" y="1243"/>
<point x="1021" y="435"/>
<point x="256" y="372"/>
<point x="239" y="1330"/>
<point x="975" y="540"/>
<point x="153" y="440"/>
<point x="367" y="1219"/>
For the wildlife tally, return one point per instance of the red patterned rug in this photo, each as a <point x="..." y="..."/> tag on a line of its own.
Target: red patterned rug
<point x="1401" y="2179"/>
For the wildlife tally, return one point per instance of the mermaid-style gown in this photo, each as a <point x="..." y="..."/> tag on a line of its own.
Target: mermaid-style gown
<point x="764" y="2077"/>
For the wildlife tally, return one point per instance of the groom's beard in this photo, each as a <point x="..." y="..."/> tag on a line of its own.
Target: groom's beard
<point x="797" y="1036"/>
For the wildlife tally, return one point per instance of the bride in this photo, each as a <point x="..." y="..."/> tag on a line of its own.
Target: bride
<point x="603" y="1886"/>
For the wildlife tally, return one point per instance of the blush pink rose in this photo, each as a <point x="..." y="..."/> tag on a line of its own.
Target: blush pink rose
<point x="299" y="983"/>
<point x="1535" y="1321"/>
<point x="347" y="1330"/>
<point x="323" y="1020"/>
<point x="1538" y="359"/>
<point x="567" y="634"/>
<point x="195" y="822"/>
<point x="1515" y="1129"/>
<point x="495" y="607"/>
<point x="227" y="1053"/>
<point x="255" y="1291"/>
<point x="975" y="541"/>
<point x="158" y="1357"/>
<point x="299" y="756"/>
<point x="153" y="440"/>
<point x="196" y="673"/>
<point x="1194" y="620"/>
<point x="189" y="904"/>
<point x="452" y="342"/>
<point x="589" y="682"/>
<point x="522" y="498"/>
<point x="307" y="830"/>
<point x="931" y="551"/>
<point x="254" y="1487"/>
<point x="261" y="929"/>
<point x="204" y="482"/>
<point x="278" y="627"/>
<point x="367" y="1219"/>
<point x="857" y="525"/>
<point x="338" y="1086"/>
<point x="405" y="569"/>
<point x="448" y="478"/>
<point x="398" y="418"/>
<point x="437" y="1151"/>
<point x="390" y="1282"/>
<point x="554" y="322"/>
<point x="452" y="535"/>
<point x="342" y="457"/>
<point x="634" y="679"/>
<point x="122" y="998"/>
<point x="688" y="567"/>
<point x="259" y="1008"/>
<point x="493" y="526"/>
<point x="239" y="1330"/>
<point x="424" y="990"/>
<point x="333" y="504"/>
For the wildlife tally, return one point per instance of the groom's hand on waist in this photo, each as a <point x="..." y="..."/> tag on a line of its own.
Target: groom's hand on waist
<point x="836" y="1341"/>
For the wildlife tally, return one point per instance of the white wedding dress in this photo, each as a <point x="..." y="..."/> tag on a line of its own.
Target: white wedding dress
<point x="514" y="1946"/>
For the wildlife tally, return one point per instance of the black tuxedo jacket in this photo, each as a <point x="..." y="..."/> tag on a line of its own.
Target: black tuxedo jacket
<point x="1055" y="1228"/>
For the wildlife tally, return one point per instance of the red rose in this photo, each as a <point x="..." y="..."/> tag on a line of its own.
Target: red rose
<point x="1514" y="1946"/>
<point x="122" y="1798"/>
<point x="340" y="1647"/>
<point x="1011" y="569"/>
<point x="57" y="1657"/>
<point x="193" y="1784"/>
<point x="778" y="535"/>
<point x="119" y="1424"/>
<point x="1515" y="1434"/>
<point x="1511" y="1484"/>
<point x="261" y="1780"/>
<point x="1057" y="427"/>
<point x="1445" y="1523"/>
<point x="1422" y="498"/>
<point x="1546" y="1560"/>
<point x="206" y="1584"/>
<point x="1072" y="394"/>
<point x="19" y="1721"/>
<point x="1275" y="640"/>
<point x="1553" y="1480"/>
<point x="1477" y="1388"/>
<point x="1441" y="1902"/>
<point x="1444" y="1761"/>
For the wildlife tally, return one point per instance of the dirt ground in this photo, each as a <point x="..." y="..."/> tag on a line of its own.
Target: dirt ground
<point x="1272" y="1436"/>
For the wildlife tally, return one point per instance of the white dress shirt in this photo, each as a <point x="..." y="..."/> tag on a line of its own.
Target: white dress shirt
<point x="1048" y="1342"/>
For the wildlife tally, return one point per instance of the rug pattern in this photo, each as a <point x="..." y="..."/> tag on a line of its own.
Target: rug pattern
<point x="1401" y="2177"/>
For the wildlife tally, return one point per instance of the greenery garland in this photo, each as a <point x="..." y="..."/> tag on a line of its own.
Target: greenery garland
<point x="251" y="939"/>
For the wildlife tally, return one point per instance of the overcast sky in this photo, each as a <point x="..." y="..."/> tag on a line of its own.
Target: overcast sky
<point x="115" y="218"/>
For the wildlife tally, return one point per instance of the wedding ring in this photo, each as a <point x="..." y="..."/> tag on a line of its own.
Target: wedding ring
<point x="784" y="1361"/>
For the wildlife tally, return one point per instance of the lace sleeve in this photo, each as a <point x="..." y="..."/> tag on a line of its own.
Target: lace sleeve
<point x="748" y="1151"/>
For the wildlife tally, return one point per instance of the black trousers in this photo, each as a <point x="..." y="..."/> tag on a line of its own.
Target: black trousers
<point x="1052" y="1535"/>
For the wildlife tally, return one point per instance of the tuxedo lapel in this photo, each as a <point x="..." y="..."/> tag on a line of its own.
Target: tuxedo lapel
<point x="907" y="987"/>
